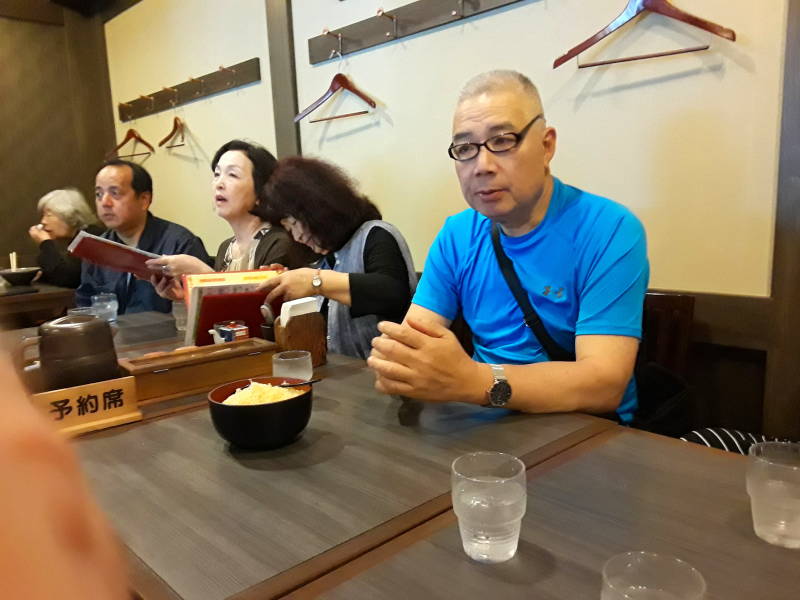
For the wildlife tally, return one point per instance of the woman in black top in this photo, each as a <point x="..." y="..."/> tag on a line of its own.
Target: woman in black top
<point x="365" y="275"/>
<point x="62" y="214"/>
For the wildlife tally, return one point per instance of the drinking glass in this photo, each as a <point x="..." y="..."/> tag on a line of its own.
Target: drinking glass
<point x="180" y="314"/>
<point x="88" y="311"/>
<point x="489" y="499"/>
<point x="773" y="482"/>
<point x="106" y="305"/>
<point x="649" y="576"/>
<point x="293" y="364"/>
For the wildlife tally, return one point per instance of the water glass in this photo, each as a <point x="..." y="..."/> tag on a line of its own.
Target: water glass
<point x="106" y="305"/>
<point x="180" y="314"/>
<point x="88" y="311"/>
<point x="773" y="482"/>
<point x="489" y="499"/>
<point x="292" y="364"/>
<point x="649" y="576"/>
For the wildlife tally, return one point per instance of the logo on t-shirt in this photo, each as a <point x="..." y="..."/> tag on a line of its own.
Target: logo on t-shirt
<point x="557" y="292"/>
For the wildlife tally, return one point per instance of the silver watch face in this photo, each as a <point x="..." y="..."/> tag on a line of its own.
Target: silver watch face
<point x="316" y="281"/>
<point x="500" y="393"/>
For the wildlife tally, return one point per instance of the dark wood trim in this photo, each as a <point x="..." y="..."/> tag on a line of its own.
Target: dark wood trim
<point x="739" y="321"/>
<point x="39" y="11"/>
<point x="402" y="21"/>
<point x="728" y="320"/>
<point x="295" y="578"/>
<point x="224" y="79"/>
<point x="283" y="77"/>
<point x="782" y="397"/>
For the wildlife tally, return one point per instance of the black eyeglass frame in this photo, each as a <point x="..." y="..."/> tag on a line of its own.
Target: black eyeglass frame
<point x="518" y="136"/>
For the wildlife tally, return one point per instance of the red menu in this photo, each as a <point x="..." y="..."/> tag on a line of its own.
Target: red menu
<point x="113" y="255"/>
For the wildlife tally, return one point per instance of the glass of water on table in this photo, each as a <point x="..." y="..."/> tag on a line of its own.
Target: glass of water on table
<point x="773" y="483"/>
<point x="105" y="306"/>
<point x="293" y="364"/>
<point x="489" y="499"/>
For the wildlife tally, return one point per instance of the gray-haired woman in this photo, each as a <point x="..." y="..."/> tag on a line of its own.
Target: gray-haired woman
<point x="62" y="214"/>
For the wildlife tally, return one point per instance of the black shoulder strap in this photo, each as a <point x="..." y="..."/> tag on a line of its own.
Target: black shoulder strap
<point x="532" y="320"/>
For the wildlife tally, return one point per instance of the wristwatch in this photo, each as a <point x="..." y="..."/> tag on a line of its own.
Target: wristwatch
<point x="316" y="281"/>
<point x="500" y="393"/>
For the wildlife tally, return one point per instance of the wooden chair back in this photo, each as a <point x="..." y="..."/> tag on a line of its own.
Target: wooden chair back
<point x="667" y="330"/>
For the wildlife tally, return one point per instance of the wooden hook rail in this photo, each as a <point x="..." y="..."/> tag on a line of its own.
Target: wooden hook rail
<point x="194" y="88"/>
<point x="405" y="21"/>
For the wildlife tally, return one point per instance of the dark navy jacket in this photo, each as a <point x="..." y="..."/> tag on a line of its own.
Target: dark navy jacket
<point x="135" y="295"/>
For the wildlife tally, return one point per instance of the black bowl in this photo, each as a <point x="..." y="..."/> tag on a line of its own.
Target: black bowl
<point x="260" y="426"/>
<point x="20" y="276"/>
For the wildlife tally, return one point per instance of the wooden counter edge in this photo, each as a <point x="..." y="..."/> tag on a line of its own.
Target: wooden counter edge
<point x="145" y="584"/>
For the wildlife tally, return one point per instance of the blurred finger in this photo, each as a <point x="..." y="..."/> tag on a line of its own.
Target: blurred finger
<point x="388" y="386"/>
<point x="393" y="350"/>
<point x="375" y="352"/>
<point x="269" y="284"/>
<point x="388" y="369"/>
<point x="278" y="291"/>
<point x="156" y="263"/>
<point x="403" y="334"/>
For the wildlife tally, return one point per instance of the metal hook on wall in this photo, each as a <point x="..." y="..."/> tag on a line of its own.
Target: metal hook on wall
<point x="232" y="72"/>
<point x="383" y="13"/>
<point x="200" y="81"/>
<point x="152" y="100"/>
<point x="338" y="37"/>
<point x="174" y="101"/>
<point x="333" y="53"/>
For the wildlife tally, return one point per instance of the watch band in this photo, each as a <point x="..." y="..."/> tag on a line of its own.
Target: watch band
<point x="316" y="280"/>
<point x="500" y="393"/>
<point x="498" y="372"/>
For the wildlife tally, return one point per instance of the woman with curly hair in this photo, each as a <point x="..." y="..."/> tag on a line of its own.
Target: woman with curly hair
<point x="366" y="273"/>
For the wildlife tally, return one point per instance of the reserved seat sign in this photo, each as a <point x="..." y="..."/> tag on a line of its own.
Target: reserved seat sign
<point x="92" y="406"/>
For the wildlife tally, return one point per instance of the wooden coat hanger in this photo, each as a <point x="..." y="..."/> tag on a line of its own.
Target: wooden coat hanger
<point x="339" y="82"/>
<point x="178" y="127"/>
<point x="132" y="135"/>
<point x="634" y="8"/>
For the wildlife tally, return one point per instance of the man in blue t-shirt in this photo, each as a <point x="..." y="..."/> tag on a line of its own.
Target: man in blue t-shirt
<point x="581" y="259"/>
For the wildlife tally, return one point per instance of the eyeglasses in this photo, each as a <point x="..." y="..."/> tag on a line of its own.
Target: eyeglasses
<point x="495" y="144"/>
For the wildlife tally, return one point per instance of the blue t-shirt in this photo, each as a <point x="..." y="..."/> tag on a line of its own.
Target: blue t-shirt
<point x="584" y="267"/>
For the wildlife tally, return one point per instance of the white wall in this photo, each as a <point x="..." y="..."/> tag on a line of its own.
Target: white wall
<point x="158" y="43"/>
<point x="688" y="142"/>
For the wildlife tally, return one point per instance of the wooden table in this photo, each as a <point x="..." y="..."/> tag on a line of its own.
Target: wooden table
<point x="204" y="521"/>
<point x="621" y="490"/>
<point x="21" y="310"/>
<point x="136" y="332"/>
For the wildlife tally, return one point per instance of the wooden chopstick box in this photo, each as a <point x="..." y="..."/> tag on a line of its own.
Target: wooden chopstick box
<point x="304" y="332"/>
<point x="197" y="370"/>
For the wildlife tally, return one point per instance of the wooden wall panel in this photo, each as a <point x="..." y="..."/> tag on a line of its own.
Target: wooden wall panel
<point x="727" y="386"/>
<point x="55" y="116"/>
<point x="38" y="125"/>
